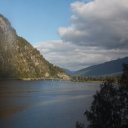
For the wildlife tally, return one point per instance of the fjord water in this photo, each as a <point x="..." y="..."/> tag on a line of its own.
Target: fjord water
<point x="44" y="104"/>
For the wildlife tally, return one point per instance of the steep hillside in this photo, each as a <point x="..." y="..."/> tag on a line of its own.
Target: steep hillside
<point x="18" y="58"/>
<point x="108" y="68"/>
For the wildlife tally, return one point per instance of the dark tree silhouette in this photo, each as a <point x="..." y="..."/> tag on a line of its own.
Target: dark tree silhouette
<point x="79" y="125"/>
<point x="109" y="108"/>
<point x="124" y="78"/>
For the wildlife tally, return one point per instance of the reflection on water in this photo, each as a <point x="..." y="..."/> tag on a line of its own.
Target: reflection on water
<point x="43" y="104"/>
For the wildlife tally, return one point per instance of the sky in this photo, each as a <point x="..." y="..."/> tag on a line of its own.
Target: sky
<point x="72" y="34"/>
<point x="36" y="20"/>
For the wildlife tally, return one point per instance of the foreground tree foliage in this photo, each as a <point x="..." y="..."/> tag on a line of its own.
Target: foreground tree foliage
<point x="79" y="125"/>
<point x="109" y="108"/>
<point x="124" y="78"/>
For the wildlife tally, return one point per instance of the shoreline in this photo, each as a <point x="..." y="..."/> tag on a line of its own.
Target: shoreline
<point x="57" y="79"/>
<point x="29" y="79"/>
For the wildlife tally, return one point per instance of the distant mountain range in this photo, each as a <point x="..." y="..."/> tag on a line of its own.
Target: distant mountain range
<point x="19" y="60"/>
<point x="113" y="67"/>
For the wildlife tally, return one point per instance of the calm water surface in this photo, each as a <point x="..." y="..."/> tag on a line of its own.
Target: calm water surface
<point x="44" y="104"/>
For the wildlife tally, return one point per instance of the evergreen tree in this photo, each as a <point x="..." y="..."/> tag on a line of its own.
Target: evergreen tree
<point x="124" y="78"/>
<point x="109" y="108"/>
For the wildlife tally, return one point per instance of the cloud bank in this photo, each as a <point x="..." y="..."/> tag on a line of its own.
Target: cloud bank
<point x="74" y="57"/>
<point x="100" y="23"/>
<point x="98" y="32"/>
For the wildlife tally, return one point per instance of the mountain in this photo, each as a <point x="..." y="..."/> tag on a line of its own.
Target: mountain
<point x="19" y="60"/>
<point x="113" y="67"/>
<point x="69" y="72"/>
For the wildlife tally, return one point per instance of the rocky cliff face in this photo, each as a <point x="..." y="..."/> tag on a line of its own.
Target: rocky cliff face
<point x="18" y="59"/>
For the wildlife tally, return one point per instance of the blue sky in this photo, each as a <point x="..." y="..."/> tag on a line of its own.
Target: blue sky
<point x="37" y="20"/>
<point x="72" y="34"/>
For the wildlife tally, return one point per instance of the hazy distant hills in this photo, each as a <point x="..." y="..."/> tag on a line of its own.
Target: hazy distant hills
<point x="18" y="58"/>
<point x="108" y="68"/>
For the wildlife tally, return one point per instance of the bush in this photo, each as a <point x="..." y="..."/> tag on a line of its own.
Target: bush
<point x="109" y="108"/>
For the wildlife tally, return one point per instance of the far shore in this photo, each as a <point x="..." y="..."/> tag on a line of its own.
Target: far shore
<point x="28" y="79"/>
<point x="41" y="79"/>
<point x="58" y="79"/>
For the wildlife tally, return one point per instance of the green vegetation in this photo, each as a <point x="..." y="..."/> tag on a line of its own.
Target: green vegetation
<point x="109" y="108"/>
<point x="31" y="64"/>
<point x="19" y="60"/>
<point x="91" y="78"/>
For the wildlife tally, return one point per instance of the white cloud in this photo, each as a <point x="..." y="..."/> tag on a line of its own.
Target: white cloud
<point x="73" y="57"/>
<point x="98" y="32"/>
<point x="101" y="23"/>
